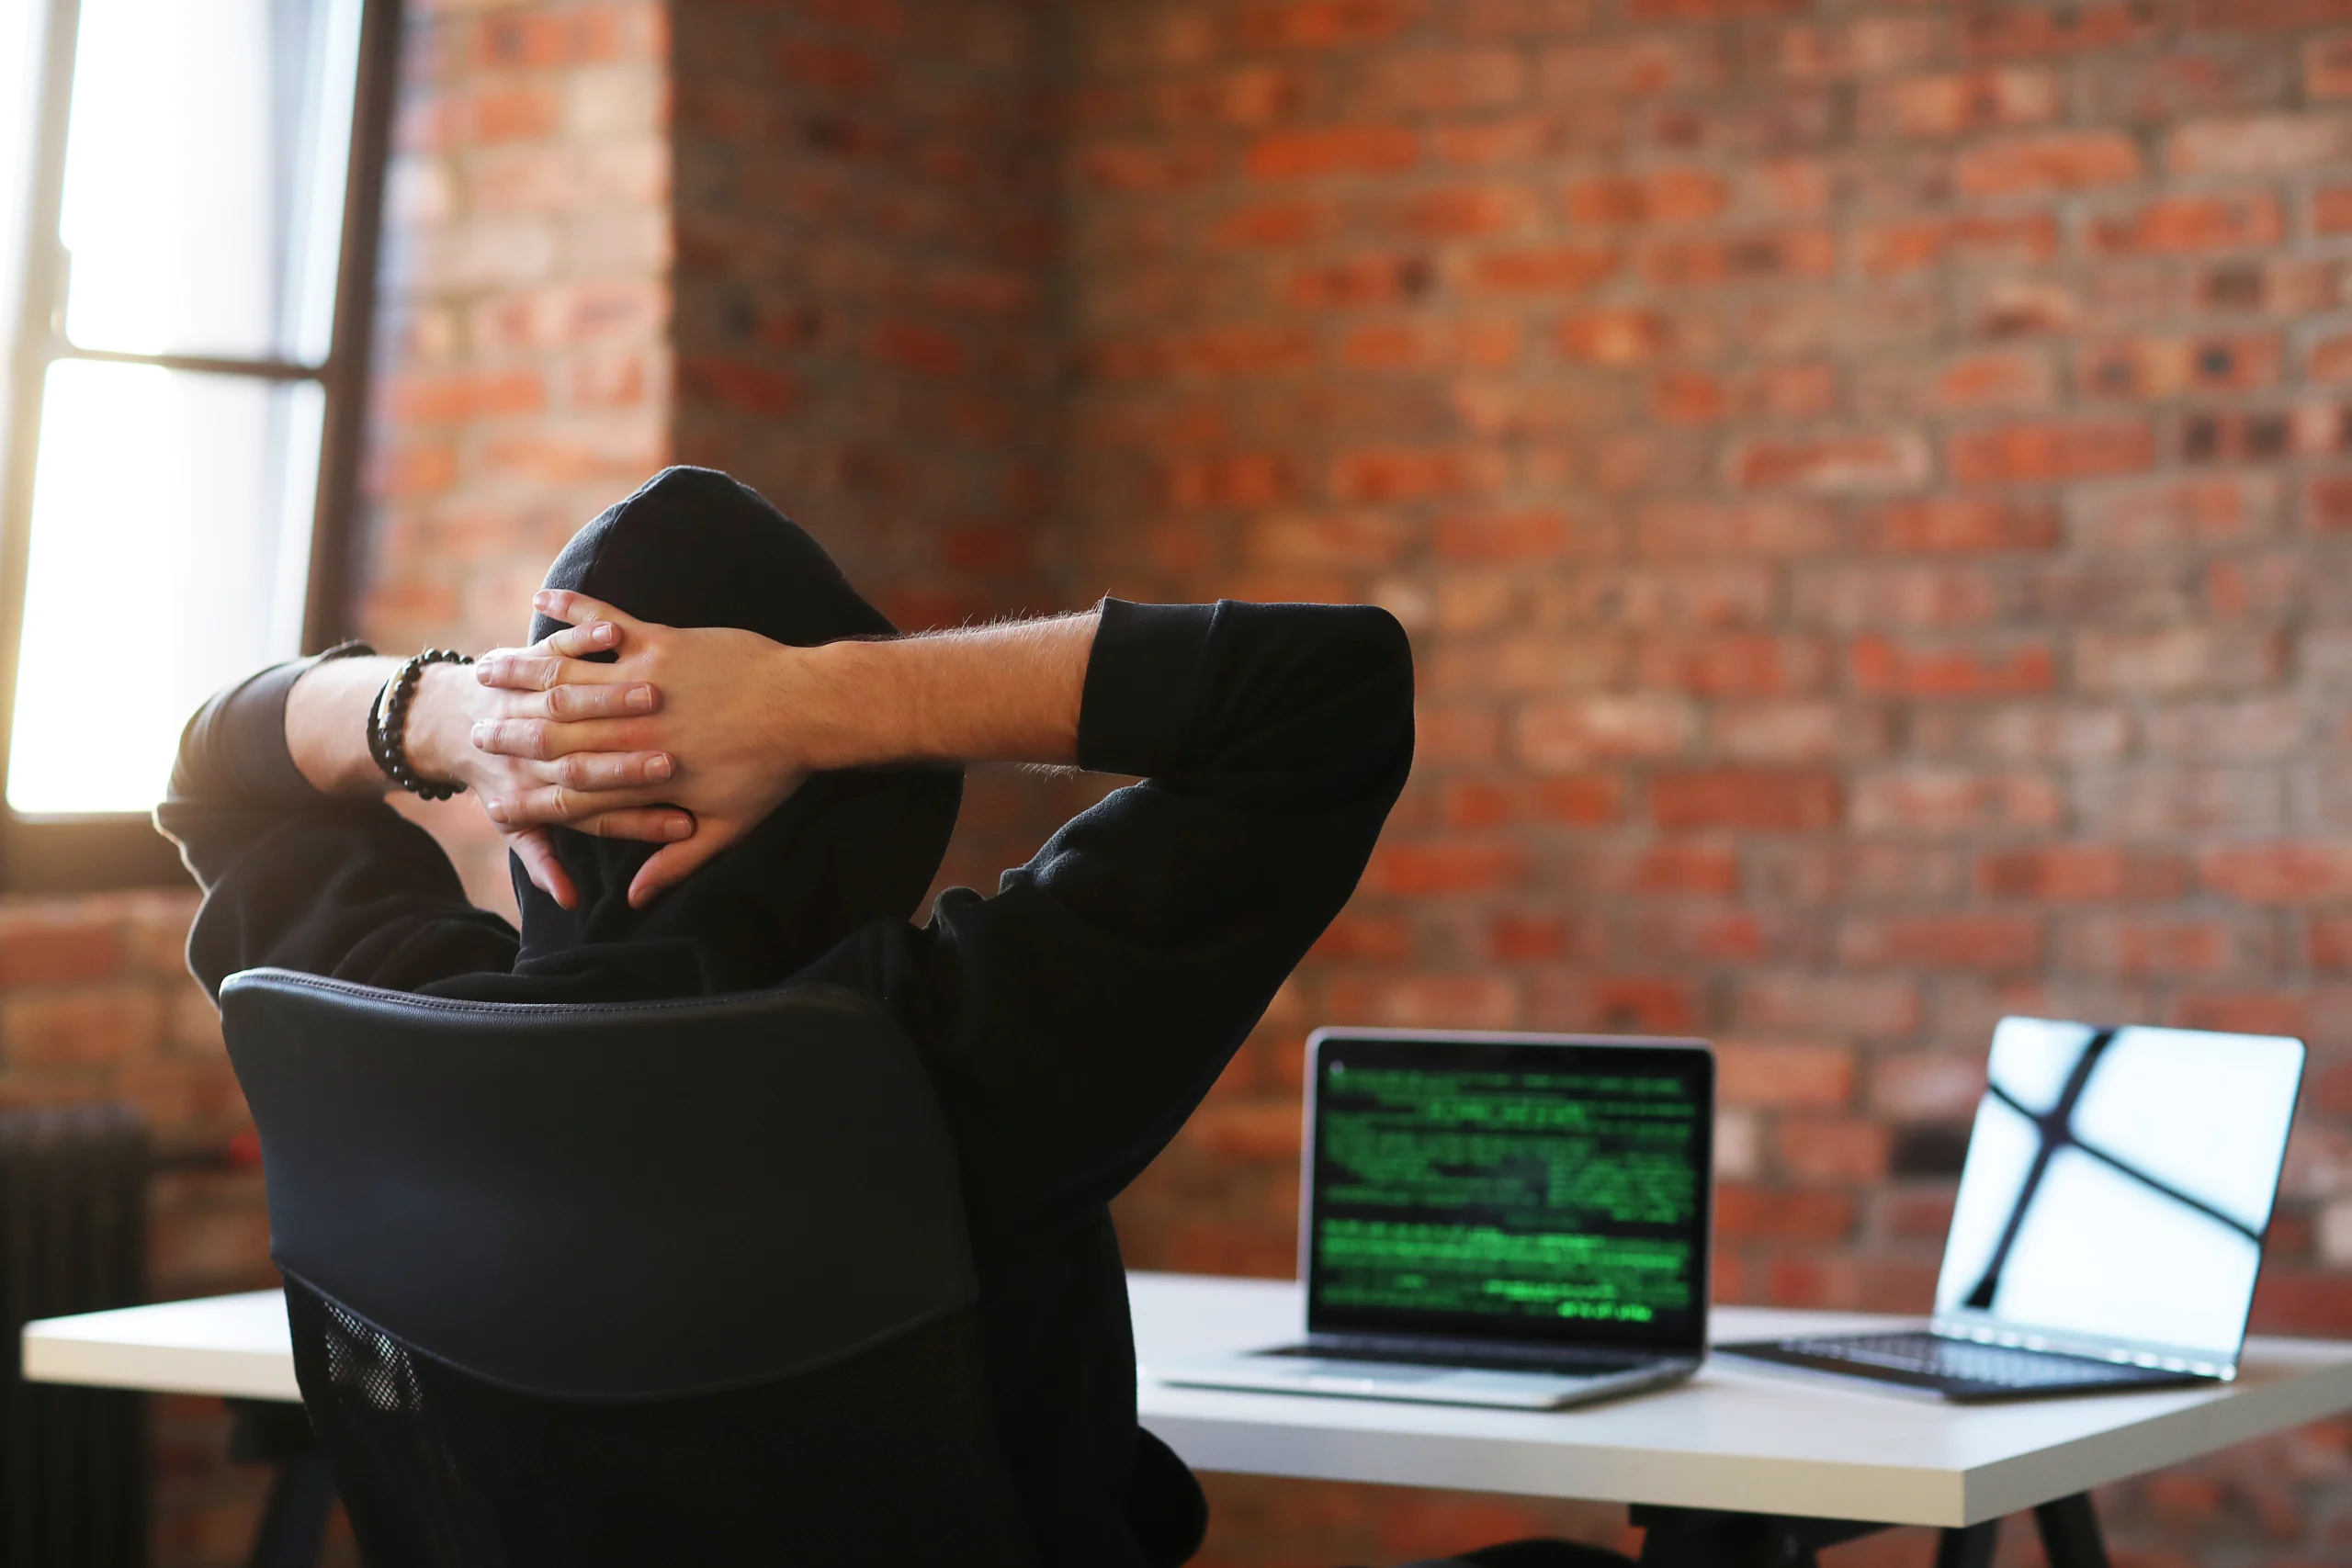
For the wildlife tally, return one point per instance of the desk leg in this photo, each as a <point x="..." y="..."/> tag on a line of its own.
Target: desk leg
<point x="294" y="1523"/>
<point x="302" y="1491"/>
<point x="1704" y="1537"/>
<point x="1969" y="1548"/>
<point x="2070" y="1533"/>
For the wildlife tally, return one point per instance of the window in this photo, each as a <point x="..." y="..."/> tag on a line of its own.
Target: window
<point x="190" y="193"/>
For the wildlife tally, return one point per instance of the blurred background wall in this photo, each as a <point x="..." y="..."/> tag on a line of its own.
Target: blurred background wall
<point x="1869" y="483"/>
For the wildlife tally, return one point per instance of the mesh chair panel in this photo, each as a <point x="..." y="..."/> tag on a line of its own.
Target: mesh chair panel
<point x="885" y="1460"/>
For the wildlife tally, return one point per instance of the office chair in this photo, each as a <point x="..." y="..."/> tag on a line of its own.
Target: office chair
<point x="664" y="1282"/>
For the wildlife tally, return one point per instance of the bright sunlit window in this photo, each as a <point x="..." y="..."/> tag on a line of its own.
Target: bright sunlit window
<point x="19" y="43"/>
<point x="181" y="281"/>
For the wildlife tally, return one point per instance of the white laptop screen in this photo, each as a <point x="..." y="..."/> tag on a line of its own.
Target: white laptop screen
<point x="2119" y="1183"/>
<point x="1546" y="1189"/>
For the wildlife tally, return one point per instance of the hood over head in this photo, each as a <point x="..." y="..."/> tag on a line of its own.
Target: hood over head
<point x="694" y="548"/>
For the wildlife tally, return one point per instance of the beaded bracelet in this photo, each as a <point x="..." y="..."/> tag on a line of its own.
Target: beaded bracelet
<point x="388" y="724"/>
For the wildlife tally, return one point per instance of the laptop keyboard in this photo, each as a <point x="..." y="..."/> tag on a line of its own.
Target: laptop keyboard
<point x="1933" y="1357"/>
<point x="1402" y="1353"/>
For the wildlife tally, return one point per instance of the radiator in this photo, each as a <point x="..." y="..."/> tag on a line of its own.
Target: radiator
<point x="73" y="1471"/>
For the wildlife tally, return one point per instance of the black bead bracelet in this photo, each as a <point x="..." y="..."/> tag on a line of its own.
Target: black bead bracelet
<point x="388" y="724"/>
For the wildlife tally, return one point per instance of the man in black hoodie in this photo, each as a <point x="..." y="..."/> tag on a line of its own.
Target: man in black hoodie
<point x="1071" y="1021"/>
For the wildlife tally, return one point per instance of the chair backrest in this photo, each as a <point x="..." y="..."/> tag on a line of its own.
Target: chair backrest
<point x="637" y="1206"/>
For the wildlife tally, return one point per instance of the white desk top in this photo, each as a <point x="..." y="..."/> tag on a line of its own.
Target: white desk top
<point x="1733" y="1437"/>
<point x="237" y="1347"/>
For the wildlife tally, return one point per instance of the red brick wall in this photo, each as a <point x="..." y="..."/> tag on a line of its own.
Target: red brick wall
<point x="866" y="308"/>
<point x="1868" y="483"/>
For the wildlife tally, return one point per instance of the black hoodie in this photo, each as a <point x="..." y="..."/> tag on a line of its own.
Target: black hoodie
<point x="1072" y="1021"/>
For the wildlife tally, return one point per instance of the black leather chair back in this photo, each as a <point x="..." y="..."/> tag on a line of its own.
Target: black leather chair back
<point x="599" y="1239"/>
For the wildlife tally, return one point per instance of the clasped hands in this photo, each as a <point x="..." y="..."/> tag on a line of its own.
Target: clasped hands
<point x="554" y="736"/>
<point x="687" y="737"/>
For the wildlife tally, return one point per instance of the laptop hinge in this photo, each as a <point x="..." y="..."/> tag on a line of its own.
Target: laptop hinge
<point x="1985" y="1330"/>
<point x="1438" y="1351"/>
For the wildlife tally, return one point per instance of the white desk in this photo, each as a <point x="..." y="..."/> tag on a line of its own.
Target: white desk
<point x="1732" y="1439"/>
<point x="235" y="1346"/>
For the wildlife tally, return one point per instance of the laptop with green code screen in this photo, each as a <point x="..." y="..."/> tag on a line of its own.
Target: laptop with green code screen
<point x="1516" y="1220"/>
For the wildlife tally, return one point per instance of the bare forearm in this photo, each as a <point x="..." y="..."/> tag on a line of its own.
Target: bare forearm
<point x="326" y="723"/>
<point x="1005" y="693"/>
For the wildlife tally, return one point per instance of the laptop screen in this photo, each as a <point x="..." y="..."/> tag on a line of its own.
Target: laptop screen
<point x="2119" y="1183"/>
<point x="1514" y="1187"/>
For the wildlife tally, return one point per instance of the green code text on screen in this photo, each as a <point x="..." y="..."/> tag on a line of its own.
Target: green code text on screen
<point x="1507" y="1192"/>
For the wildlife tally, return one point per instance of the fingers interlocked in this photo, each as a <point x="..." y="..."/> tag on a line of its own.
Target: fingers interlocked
<point x="566" y="720"/>
<point x="561" y="701"/>
<point x="604" y="813"/>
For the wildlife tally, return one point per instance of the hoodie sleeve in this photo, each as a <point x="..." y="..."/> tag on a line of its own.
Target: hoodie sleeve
<point x="1077" y="1017"/>
<point x="324" y="884"/>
